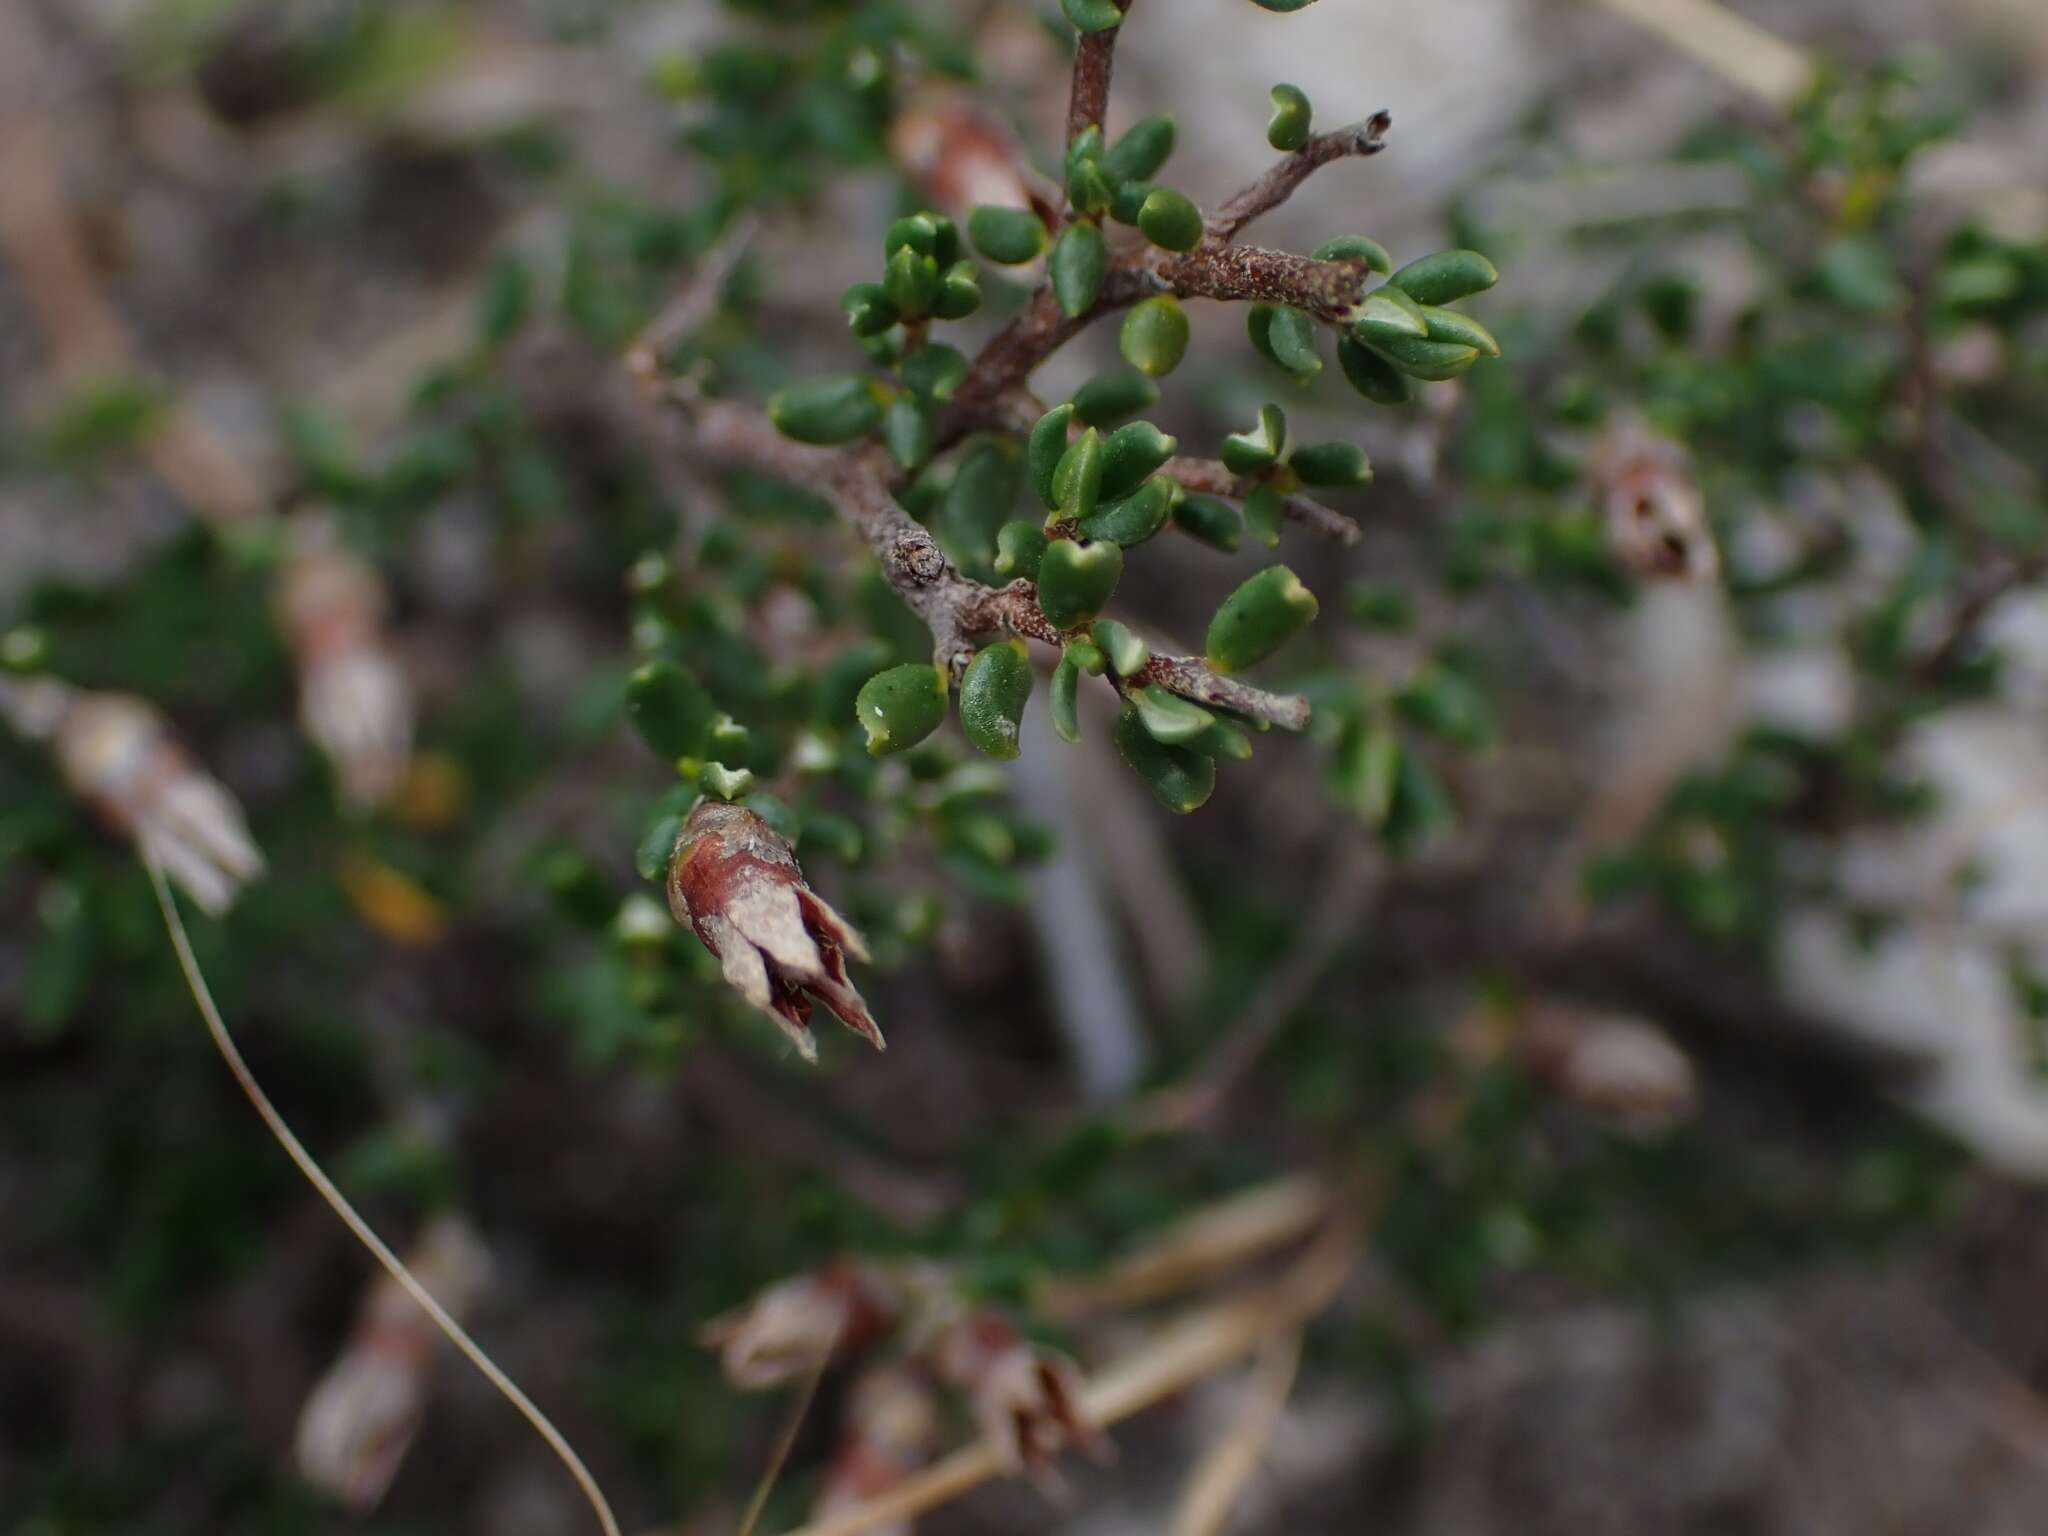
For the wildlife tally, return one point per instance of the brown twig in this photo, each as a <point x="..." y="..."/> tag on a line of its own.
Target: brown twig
<point x="1213" y="479"/>
<point x="1178" y="1356"/>
<point x="1220" y="1479"/>
<point x="1336" y="913"/>
<point x="1278" y="184"/>
<point x="956" y="609"/>
<point x="1094" y="57"/>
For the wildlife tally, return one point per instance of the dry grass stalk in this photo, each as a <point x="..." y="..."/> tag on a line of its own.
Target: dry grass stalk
<point x="1220" y="1479"/>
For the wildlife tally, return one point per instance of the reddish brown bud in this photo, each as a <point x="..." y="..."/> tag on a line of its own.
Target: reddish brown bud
<point x="1027" y="1400"/>
<point x="1656" y="518"/>
<point x="736" y="882"/>
<point x="796" y="1323"/>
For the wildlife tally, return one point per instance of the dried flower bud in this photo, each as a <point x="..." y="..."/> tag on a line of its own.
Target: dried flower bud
<point x="1027" y="1400"/>
<point x="959" y="156"/>
<point x="359" y="1420"/>
<point x="796" y="1323"/>
<point x="354" y="700"/>
<point x="736" y="882"/>
<point x="890" y="1430"/>
<point x="1622" y="1069"/>
<point x="117" y="753"/>
<point x="1656" y="518"/>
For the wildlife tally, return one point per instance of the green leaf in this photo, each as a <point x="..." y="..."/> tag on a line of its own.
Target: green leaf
<point x="1285" y="337"/>
<point x="1169" y="717"/>
<point x="1264" y="508"/>
<point x="868" y="310"/>
<point x="1356" y="248"/>
<point x="934" y="371"/>
<point x="1132" y="452"/>
<point x="1429" y="360"/>
<point x="1445" y="277"/>
<point x="959" y="292"/>
<point x="835" y="408"/>
<point x="1076" y="580"/>
<point x="911" y="283"/>
<point x="726" y="783"/>
<point x="1223" y="739"/>
<point x="993" y="692"/>
<point x="1247" y="453"/>
<point x="1132" y="519"/>
<point x="1283" y="7"/>
<point x="656" y="847"/>
<point x="1209" y="518"/>
<point x="1449" y="325"/>
<point x="1388" y="314"/>
<point x="1141" y="151"/>
<point x="1124" y="651"/>
<point x="1170" y="219"/>
<point x="1332" y="464"/>
<point x="908" y="432"/>
<point x="1079" y="259"/>
<point x="1109" y="397"/>
<point x="1180" y="779"/>
<point x="1042" y="451"/>
<point x="670" y="709"/>
<point x="1077" y="480"/>
<point x="1372" y="375"/>
<point x="899" y="707"/>
<point x="1287" y="128"/>
<point x="1008" y="235"/>
<point x="915" y="232"/>
<point x="1020" y="546"/>
<point x="1154" y="337"/>
<point x="1092" y="15"/>
<point x="1258" y="618"/>
<point x="1063" y="702"/>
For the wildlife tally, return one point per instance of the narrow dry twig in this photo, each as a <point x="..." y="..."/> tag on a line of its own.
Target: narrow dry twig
<point x="1181" y="1354"/>
<point x="1336" y="912"/>
<point x="456" y="1334"/>
<point x="1278" y="184"/>
<point x="956" y="609"/>
<point x="1732" y="46"/>
<point x="1205" y="1246"/>
<point x="1220" y="1479"/>
<point x="1211" y="478"/>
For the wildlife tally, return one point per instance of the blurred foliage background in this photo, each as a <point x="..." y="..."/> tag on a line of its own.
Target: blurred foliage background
<point x="1650" y="921"/>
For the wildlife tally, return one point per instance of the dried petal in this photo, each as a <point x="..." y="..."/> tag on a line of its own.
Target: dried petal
<point x="358" y="1422"/>
<point x="1026" y="1399"/>
<point x="1656" y="518"/>
<point x="780" y="945"/>
<point x="796" y="1323"/>
<point x="117" y="753"/>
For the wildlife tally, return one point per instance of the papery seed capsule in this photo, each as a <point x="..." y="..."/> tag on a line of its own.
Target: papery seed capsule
<point x="1258" y="618"/>
<point x="1154" y="337"/>
<point x="993" y="692"/>
<point x="1075" y="580"/>
<point x="901" y="706"/>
